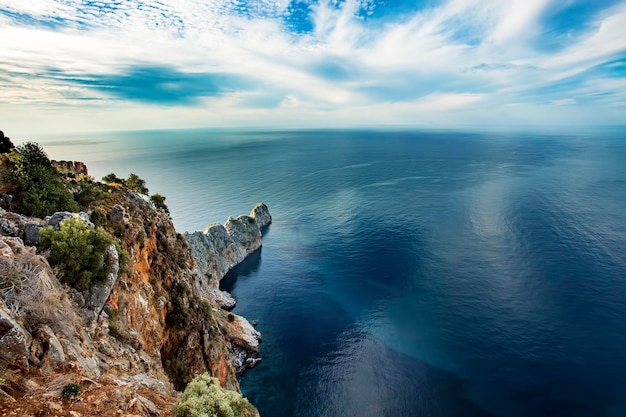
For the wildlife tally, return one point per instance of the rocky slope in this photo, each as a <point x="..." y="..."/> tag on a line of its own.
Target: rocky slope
<point x="153" y="325"/>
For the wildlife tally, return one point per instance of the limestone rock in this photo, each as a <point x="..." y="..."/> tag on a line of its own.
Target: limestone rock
<point x="31" y="233"/>
<point x="14" y="341"/>
<point x="117" y="214"/>
<point x="219" y="248"/>
<point x="55" y="351"/>
<point x="56" y="219"/>
<point x="99" y="293"/>
<point x="261" y="214"/>
<point x="71" y="167"/>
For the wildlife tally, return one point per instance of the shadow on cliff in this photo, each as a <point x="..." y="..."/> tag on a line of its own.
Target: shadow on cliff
<point x="249" y="266"/>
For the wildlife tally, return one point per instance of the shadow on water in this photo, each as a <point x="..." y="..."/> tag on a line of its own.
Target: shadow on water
<point x="249" y="266"/>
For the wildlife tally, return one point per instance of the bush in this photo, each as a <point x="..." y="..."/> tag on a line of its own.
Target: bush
<point x="159" y="202"/>
<point x="134" y="183"/>
<point x="205" y="397"/>
<point x="40" y="189"/>
<point x="112" y="179"/>
<point x="79" y="252"/>
<point x="71" y="391"/>
<point x="87" y="193"/>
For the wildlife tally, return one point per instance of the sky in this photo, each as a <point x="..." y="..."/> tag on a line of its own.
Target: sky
<point x="83" y="66"/>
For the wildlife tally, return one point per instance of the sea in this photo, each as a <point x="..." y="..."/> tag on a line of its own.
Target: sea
<point x="410" y="273"/>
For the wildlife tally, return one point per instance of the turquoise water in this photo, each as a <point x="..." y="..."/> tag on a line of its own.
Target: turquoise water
<point x="412" y="273"/>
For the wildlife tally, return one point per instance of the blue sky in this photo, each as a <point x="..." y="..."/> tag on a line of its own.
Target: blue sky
<point x="69" y="65"/>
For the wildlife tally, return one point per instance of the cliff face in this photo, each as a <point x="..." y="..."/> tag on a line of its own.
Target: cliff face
<point x="146" y="330"/>
<point x="74" y="168"/>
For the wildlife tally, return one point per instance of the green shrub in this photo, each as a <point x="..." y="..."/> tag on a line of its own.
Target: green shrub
<point x="230" y="317"/>
<point x="159" y="202"/>
<point x="79" y="252"/>
<point x="39" y="187"/>
<point x="98" y="218"/>
<point x="204" y="397"/>
<point x="71" y="391"/>
<point x="112" y="179"/>
<point x="87" y="193"/>
<point x="134" y="183"/>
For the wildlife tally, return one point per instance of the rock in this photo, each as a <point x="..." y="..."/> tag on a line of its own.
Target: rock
<point x="14" y="341"/>
<point x="31" y="233"/>
<point x="8" y="227"/>
<point x="54" y="350"/>
<point x="56" y="219"/>
<point x="117" y="214"/>
<point x="254" y="323"/>
<point x="143" y="406"/>
<point x="252" y="362"/>
<point x="55" y="407"/>
<point x="75" y="168"/>
<point x="98" y="293"/>
<point x="261" y="214"/>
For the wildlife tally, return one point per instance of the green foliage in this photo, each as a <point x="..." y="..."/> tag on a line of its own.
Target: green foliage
<point x="204" y="397"/>
<point x="112" y="179"/>
<point x="40" y="189"/>
<point x="87" y="193"/>
<point x="230" y="317"/>
<point x="159" y="202"/>
<point x="71" y="391"/>
<point x="134" y="183"/>
<point x="79" y="252"/>
<point x="98" y="218"/>
<point x="178" y="372"/>
<point x="5" y="143"/>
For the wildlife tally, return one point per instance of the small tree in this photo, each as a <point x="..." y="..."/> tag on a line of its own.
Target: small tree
<point x="79" y="252"/>
<point x="112" y="179"/>
<point x="134" y="183"/>
<point x="205" y="397"/>
<point x="159" y="202"/>
<point x="39" y="187"/>
<point x="5" y="143"/>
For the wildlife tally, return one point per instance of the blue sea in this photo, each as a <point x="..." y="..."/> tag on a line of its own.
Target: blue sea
<point x="408" y="273"/>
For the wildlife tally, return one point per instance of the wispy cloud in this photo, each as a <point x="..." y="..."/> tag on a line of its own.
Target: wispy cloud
<point x="311" y="62"/>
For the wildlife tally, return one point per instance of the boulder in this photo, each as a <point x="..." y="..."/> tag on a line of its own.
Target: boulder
<point x="261" y="214"/>
<point x="56" y="219"/>
<point x="31" y="233"/>
<point x="117" y="214"/>
<point x="14" y="342"/>
<point x="99" y="293"/>
<point x="54" y="351"/>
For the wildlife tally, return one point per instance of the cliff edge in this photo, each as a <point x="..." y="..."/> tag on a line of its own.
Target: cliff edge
<point x="135" y="337"/>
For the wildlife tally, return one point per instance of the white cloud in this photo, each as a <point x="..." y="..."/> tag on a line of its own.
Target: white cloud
<point x="462" y="55"/>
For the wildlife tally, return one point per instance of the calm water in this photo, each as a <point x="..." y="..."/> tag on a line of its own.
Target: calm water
<point x="412" y="274"/>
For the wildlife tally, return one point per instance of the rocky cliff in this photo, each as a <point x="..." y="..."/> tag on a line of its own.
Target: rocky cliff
<point x="138" y="336"/>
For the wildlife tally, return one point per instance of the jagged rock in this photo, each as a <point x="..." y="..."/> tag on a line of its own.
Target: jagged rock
<point x="14" y="341"/>
<point x="31" y="233"/>
<point x="219" y="248"/>
<point x="252" y="362"/>
<point x="8" y="227"/>
<point x="117" y="214"/>
<point x="71" y="167"/>
<point x="254" y="323"/>
<point x="55" y="351"/>
<point x="99" y="293"/>
<point x="223" y="299"/>
<point x="261" y="214"/>
<point x="143" y="406"/>
<point x="56" y="219"/>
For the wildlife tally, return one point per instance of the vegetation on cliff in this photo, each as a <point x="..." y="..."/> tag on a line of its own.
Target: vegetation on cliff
<point x="205" y="398"/>
<point x="79" y="251"/>
<point x="39" y="189"/>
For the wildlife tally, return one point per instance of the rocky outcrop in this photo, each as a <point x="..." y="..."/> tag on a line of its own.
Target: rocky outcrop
<point x="74" y="168"/>
<point x="159" y="319"/>
<point x="56" y="219"/>
<point x="219" y="248"/>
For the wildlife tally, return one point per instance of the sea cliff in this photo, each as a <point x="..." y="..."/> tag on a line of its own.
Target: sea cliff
<point x="135" y="338"/>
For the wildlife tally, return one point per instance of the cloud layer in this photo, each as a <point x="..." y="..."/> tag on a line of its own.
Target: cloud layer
<point x="123" y="64"/>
